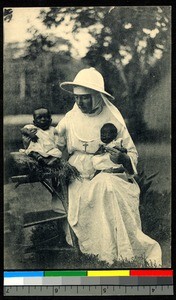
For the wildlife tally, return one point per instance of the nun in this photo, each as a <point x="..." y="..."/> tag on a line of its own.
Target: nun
<point x="104" y="211"/>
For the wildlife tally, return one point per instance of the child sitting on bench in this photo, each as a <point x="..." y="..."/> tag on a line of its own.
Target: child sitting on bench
<point x="101" y="159"/>
<point x="40" y="139"/>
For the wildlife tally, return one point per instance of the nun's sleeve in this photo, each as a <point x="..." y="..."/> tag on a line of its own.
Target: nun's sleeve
<point x="129" y="145"/>
<point x="61" y="131"/>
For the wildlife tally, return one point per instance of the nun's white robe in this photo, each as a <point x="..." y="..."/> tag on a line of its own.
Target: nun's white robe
<point x="104" y="211"/>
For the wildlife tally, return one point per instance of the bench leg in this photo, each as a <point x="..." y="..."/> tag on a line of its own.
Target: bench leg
<point x="53" y="191"/>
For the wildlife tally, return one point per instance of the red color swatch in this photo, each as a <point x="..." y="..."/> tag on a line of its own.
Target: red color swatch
<point x="156" y="273"/>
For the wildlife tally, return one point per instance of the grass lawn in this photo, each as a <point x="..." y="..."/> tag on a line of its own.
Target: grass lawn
<point x="33" y="197"/>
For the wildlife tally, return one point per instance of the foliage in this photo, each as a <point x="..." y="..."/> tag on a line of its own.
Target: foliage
<point x="37" y="80"/>
<point x="144" y="182"/>
<point x="40" y="43"/>
<point x="132" y="43"/>
<point x="128" y="41"/>
<point x="60" y="168"/>
<point x="52" y="230"/>
<point x="156" y="222"/>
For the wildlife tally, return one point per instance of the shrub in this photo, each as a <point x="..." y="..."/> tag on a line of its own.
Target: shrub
<point x="155" y="209"/>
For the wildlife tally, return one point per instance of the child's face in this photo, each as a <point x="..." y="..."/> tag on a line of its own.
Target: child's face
<point x="42" y="119"/>
<point x="108" y="134"/>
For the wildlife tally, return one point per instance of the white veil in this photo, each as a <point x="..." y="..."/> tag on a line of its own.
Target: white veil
<point x="113" y="109"/>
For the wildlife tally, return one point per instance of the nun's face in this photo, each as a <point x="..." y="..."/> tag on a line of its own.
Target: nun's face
<point x="84" y="103"/>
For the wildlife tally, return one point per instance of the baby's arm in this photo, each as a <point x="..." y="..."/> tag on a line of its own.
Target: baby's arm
<point x="31" y="133"/>
<point x="102" y="161"/>
<point x="28" y="135"/>
<point x="100" y="150"/>
<point x="118" y="145"/>
<point x="121" y="149"/>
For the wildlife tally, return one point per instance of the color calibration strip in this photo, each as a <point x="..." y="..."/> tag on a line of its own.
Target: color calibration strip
<point x="91" y="277"/>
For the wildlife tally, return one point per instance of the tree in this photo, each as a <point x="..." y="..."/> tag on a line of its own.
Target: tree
<point x="37" y="70"/>
<point x="130" y="48"/>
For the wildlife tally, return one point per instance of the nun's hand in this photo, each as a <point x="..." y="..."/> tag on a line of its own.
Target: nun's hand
<point x="117" y="157"/>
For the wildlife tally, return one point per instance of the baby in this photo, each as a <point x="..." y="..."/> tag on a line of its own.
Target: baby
<point x="40" y="138"/>
<point x="109" y="137"/>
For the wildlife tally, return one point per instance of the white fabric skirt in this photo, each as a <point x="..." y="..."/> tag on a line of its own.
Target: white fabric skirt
<point x="104" y="214"/>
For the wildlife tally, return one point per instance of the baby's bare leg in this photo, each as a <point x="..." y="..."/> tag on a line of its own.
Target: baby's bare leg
<point x="37" y="157"/>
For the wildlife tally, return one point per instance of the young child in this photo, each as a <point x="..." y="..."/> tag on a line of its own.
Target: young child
<point x="40" y="138"/>
<point x="101" y="160"/>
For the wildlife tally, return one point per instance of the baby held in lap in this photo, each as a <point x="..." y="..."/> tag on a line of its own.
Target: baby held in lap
<point x="101" y="159"/>
<point x="40" y="139"/>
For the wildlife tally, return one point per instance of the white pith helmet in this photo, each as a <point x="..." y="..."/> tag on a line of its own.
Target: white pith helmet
<point x="89" y="78"/>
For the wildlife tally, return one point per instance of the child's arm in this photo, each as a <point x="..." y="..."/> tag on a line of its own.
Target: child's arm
<point x="28" y="135"/>
<point x="121" y="149"/>
<point x="118" y="146"/>
<point x="100" y="150"/>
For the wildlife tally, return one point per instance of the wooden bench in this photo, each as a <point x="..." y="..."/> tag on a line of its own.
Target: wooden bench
<point x="22" y="164"/>
<point x="39" y="217"/>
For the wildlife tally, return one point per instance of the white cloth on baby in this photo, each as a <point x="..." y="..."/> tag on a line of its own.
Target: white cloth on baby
<point x="46" y="144"/>
<point x="103" y="161"/>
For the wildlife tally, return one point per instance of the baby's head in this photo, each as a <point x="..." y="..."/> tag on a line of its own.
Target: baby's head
<point x="42" y="118"/>
<point x="108" y="133"/>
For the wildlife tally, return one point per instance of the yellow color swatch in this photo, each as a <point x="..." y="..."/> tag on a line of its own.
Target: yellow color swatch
<point x="109" y="273"/>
